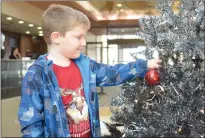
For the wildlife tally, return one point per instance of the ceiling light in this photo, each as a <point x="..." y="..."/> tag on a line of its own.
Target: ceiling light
<point x="39" y="28"/>
<point x="40" y="34"/>
<point x="27" y="32"/>
<point x="9" y="18"/>
<point x="121" y="10"/>
<point x="119" y="5"/>
<point x="21" y="22"/>
<point x="30" y="25"/>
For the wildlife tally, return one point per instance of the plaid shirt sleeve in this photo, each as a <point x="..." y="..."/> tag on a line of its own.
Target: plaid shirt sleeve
<point x="107" y="75"/>
<point x="30" y="111"/>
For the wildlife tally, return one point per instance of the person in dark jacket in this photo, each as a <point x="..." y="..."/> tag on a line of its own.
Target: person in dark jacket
<point x="15" y="53"/>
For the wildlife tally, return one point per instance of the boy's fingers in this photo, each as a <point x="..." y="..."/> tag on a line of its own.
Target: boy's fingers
<point x="158" y="66"/>
<point x="159" y="61"/>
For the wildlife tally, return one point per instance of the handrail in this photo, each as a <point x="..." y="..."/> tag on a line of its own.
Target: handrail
<point x="12" y="73"/>
<point x="17" y="60"/>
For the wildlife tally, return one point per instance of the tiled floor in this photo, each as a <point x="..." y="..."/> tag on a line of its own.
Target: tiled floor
<point x="10" y="125"/>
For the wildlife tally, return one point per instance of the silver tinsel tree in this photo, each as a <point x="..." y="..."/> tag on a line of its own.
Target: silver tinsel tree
<point x="175" y="107"/>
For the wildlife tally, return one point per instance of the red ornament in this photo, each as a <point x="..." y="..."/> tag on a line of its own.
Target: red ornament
<point x="152" y="77"/>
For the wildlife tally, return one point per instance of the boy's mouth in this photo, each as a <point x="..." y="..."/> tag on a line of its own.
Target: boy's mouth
<point x="80" y="48"/>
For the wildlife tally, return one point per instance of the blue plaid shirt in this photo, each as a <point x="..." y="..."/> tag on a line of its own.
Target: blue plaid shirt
<point x="41" y="112"/>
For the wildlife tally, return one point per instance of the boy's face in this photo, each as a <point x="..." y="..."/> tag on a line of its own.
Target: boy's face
<point x="72" y="44"/>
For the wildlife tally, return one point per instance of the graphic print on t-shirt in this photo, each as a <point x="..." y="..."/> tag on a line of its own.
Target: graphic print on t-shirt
<point x="76" y="110"/>
<point x="70" y="83"/>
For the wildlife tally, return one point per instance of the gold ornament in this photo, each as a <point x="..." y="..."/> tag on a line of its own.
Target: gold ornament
<point x="179" y="130"/>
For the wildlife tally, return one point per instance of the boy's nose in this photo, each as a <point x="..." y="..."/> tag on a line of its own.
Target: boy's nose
<point x="83" y="43"/>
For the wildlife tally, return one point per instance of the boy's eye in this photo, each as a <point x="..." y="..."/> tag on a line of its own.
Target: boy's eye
<point x="79" y="37"/>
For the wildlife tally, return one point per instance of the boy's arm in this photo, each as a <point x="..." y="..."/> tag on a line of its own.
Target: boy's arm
<point x="30" y="111"/>
<point x="107" y="75"/>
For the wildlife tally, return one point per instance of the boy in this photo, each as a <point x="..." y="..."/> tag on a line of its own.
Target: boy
<point x="59" y="97"/>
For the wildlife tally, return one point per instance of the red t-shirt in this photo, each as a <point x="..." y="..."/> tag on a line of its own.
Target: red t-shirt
<point x="71" y="89"/>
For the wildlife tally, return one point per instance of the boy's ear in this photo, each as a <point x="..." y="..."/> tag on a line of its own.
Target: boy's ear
<point x="56" y="38"/>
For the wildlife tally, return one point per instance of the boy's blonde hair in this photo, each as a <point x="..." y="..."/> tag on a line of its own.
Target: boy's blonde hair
<point x="61" y="19"/>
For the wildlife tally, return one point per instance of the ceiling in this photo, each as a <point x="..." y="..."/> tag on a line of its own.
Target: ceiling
<point x="106" y="10"/>
<point x="14" y="26"/>
<point x="119" y="10"/>
<point x="107" y="17"/>
<point x="108" y="14"/>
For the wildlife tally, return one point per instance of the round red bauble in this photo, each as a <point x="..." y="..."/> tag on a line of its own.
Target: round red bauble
<point x="152" y="77"/>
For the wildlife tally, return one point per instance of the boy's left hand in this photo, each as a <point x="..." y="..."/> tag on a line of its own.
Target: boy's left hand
<point x="153" y="63"/>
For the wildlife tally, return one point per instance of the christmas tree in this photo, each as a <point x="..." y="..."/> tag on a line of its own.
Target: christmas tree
<point x="175" y="107"/>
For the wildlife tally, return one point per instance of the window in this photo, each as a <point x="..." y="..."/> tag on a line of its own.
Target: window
<point x="139" y="52"/>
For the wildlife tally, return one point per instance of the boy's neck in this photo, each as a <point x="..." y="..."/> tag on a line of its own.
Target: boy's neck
<point x="58" y="58"/>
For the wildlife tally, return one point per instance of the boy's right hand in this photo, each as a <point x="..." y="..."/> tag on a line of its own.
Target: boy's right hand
<point x="153" y="63"/>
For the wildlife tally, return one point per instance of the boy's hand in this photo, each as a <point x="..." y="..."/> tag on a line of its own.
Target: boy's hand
<point x="153" y="63"/>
